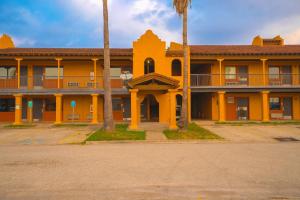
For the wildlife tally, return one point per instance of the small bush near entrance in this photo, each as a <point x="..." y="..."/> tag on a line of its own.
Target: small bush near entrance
<point x="121" y="133"/>
<point x="194" y="132"/>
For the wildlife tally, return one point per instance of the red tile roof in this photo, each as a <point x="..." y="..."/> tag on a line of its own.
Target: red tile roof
<point x="244" y="50"/>
<point x="63" y="52"/>
<point x="204" y="50"/>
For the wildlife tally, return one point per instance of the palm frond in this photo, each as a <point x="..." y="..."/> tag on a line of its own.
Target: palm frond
<point x="180" y="5"/>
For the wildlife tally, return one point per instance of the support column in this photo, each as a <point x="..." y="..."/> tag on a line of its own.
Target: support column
<point x="58" y="119"/>
<point x="220" y="70"/>
<point x="58" y="71"/>
<point x="95" y="108"/>
<point x="265" y="106"/>
<point x="264" y="71"/>
<point x="172" y="102"/>
<point x="134" y="109"/>
<point x="221" y="99"/>
<point x="95" y="72"/>
<point x="19" y="71"/>
<point x="18" y="109"/>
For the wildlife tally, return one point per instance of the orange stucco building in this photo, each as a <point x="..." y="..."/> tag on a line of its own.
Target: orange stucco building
<point x="260" y="82"/>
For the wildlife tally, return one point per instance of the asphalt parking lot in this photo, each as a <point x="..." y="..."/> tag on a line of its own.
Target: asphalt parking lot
<point x="136" y="171"/>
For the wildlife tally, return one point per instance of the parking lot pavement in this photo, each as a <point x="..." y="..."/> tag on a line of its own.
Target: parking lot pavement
<point x="133" y="171"/>
<point x="44" y="134"/>
<point x="253" y="133"/>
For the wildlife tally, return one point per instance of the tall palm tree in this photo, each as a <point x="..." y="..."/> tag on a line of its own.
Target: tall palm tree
<point x="108" y="114"/>
<point x="182" y="9"/>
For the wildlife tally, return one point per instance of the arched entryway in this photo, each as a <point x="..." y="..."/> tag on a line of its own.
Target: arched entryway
<point x="149" y="109"/>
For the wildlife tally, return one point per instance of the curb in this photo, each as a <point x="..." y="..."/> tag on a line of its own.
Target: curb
<point x="159" y="142"/>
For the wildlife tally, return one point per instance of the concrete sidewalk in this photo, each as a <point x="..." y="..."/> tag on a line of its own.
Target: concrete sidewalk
<point x="154" y="131"/>
<point x="252" y="133"/>
<point x="44" y="134"/>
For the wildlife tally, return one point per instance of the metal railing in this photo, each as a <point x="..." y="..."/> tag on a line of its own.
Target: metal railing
<point x="65" y="82"/>
<point x="204" y="80"/>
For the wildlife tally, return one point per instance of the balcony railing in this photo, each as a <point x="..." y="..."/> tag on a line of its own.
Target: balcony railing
<point x="8" y="82"/>
<point x="66" y="82"/>
<point x="247" y="80"/>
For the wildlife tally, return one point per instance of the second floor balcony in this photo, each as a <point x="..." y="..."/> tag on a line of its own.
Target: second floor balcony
<point x="245" y="80"/>
<point x="63" y="82"/>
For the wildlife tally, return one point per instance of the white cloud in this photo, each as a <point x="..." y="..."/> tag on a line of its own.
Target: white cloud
<point x="23" y="41"/>
<point x="129" y="19"/>
<point x="288" y="28"/>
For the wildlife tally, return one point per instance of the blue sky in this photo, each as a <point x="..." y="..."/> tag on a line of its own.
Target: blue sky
<point x="78" y="23"/>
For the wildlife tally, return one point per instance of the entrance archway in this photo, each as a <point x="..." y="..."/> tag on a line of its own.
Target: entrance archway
<point x="150" y="109"/>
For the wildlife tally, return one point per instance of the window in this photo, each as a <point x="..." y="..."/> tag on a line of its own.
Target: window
<point x="274" y="72"/>
<point x="149" y="66"/>
<point x="280" y="75"/>
<point x="7" y="72"/>
<point x="275" y="103"/>
<point x="51" y="72"/>
<point x="115" y="72"/>
<point x="117" y="104"/>
<point x="176" y="67"/>
<point x="7" y="105"/>
<point x="50" y="105"/>
<point x="230" y="72"/>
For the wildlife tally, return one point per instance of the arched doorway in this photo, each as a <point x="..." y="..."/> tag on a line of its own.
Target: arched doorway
<point x="150" y="109"/>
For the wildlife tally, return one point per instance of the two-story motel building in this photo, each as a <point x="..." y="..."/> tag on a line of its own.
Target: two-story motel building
<point x="258" y="82"/>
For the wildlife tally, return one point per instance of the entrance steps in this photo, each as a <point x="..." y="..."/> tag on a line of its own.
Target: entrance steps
<point x="153" y="126"/>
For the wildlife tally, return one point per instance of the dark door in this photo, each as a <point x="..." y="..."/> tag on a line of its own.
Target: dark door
<point x="126" y="109"/>
<point x="154" y="109"/>
<point x="37" y="109"/>
<point x="38" y="76"/>
<point x="286" y="76"/>
<point x="24" y="109"/>
<point x="243" y="75"/>
<point x="117" y="109"/>
<point x="287" y="107"/>
<point x="23" y="76"/>
<point x="242" y="108"/>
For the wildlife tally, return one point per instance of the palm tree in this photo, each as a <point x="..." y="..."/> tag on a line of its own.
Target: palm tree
<point x="182" y="9"/>
<point x="108" y="115"/>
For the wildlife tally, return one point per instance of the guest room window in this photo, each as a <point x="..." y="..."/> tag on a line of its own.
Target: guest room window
<point x="51" y="72"/>
<point x="275" y="103"/>
<point x="7" y="105"/>
<point x="7" y="72"/>
<point x="230" y="72"/>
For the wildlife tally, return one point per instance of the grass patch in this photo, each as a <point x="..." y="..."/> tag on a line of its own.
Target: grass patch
<point x="22" y="126"/>
<point x="121" y="133"/>
<point x="194" y="132"/>
<point x="70" y="125"/>
<point x="271" y="123"/>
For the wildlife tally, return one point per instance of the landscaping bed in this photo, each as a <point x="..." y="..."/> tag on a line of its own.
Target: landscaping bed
<point x="121" y="133"/>
<point x="194" y="132"/>
<point x="70" y="125"/>
<point x="22" y="126"/>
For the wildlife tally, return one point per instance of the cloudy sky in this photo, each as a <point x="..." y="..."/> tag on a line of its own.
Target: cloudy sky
<point x="78" y="23"/>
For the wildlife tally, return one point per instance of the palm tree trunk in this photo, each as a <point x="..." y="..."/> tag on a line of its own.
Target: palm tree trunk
<point x="184" y="109"/>
<point x="108" y="116"/>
